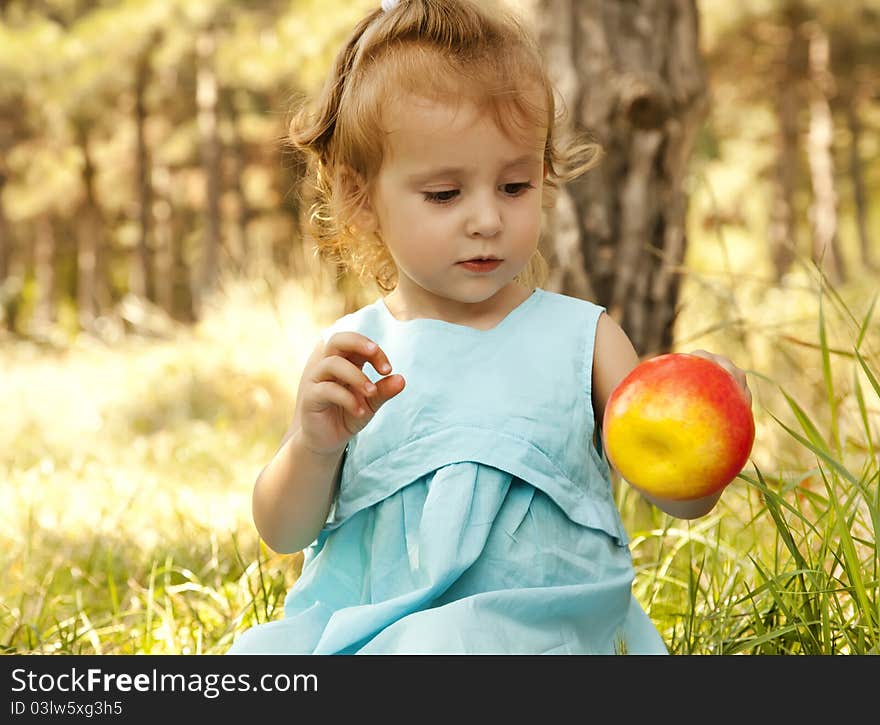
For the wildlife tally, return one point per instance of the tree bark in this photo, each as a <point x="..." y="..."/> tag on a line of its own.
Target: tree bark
<point x="632" y="76"/>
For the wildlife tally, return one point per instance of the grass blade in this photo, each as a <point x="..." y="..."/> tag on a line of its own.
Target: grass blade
<point x="851" y="563"/>
<point x="821" y="452"/>
<point x="864" y="326"/>
<point x="829" y="380"/>
<point x="806" y="423"/>
<point x="870" y="375"/>
<point x="863" y="414"/>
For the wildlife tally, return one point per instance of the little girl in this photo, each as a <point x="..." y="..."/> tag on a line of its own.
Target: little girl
<point x="444" y="469"/>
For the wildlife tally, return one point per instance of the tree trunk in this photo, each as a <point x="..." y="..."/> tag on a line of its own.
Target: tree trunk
<point x="631" y="75"/>
<point x="173" y="283"/>
<point x="183" y="307"/>
<point x="5" y="235"/>
<point x="239" y="250"/>
<point x="823" y="212"/>
<point x="44" y="273"/>
<point x="857" y="179"/>
<point x="90" y="240"/>
<point x="854" y="83"/>
<point x="141" y="281"/>
<point x="10" y="283"/>
<point x="783" y="230"/>
<point x="163" y="233"/>
<point x="207" y="98"/>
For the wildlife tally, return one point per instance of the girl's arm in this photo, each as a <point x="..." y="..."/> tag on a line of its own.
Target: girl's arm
<point x="613" y="358"/>
<point x="294" y="492"/>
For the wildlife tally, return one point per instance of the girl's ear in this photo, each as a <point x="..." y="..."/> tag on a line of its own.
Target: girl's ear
<point x="357" y="198"/>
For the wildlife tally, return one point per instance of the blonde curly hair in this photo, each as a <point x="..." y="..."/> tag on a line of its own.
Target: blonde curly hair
<point x="451" y="50"/>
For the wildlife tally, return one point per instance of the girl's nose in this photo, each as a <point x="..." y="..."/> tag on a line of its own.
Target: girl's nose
<point x="484" y="219"/>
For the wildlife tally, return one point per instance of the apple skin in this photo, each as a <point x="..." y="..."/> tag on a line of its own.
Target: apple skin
<point x="678" y="427"/>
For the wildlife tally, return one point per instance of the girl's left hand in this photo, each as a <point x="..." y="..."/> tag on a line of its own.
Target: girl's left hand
<point x="728" y="365"/>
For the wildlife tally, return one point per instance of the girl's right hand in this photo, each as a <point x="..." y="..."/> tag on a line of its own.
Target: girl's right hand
<point x="336" y="399"/>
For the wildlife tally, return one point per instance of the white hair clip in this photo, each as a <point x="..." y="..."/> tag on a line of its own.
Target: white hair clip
<point x="389" y="5"/>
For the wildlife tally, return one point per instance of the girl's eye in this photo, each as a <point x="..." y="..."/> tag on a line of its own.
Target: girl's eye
<point x="448" y="195"/>
<point x="517" y="189"/>
<point x="440" y="197"/>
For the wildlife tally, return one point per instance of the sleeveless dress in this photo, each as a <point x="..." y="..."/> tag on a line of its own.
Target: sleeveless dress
<point x="474" y="512"/>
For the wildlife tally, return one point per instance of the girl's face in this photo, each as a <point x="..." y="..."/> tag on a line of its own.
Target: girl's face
<point x="454" y="187"/>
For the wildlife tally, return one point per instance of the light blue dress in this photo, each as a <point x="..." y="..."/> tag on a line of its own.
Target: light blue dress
<point x="475" y="513"/>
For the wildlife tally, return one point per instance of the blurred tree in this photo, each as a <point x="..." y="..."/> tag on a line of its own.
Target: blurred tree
<point x="8" y="293"/>
<point x="814" y="65"/>
<point x="150" y="133"/>
<point x="240" y="246"/>
<point x="91" y="285"/>
<point x="141" y="281"/>
<point x="631" y="74"/>
<point x="207" y="98"/>
<point x="820" y="151"/>
<point x="18" y="69"/>
<point x="787" y="79"/>
<point x="45" y="253"/>
<point x="114" y="180"/>
<point x="855" y="46"/>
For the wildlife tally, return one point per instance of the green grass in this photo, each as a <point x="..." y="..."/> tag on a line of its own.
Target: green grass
<point x="125" y="506"/>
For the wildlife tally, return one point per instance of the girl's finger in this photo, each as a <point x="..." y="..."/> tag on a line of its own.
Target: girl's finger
<point x="340" y="369"/>
<point x="387" y="388"/>
<point x="359" y="349"/>
<point x="333" y="393"/>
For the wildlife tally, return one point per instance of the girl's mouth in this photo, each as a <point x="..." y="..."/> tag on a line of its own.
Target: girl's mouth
<point x="481" y="265"/>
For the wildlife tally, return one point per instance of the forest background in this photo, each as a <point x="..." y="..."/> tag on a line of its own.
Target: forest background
<point x="158" y="298"/>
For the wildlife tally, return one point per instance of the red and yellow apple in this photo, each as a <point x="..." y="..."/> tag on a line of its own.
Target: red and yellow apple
<point x="678" y="427"/>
